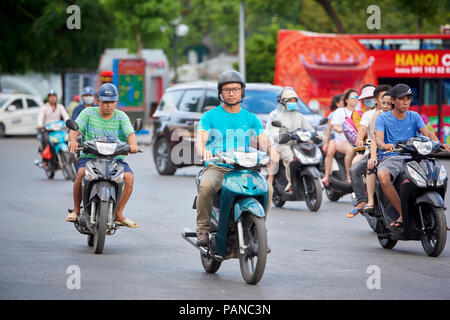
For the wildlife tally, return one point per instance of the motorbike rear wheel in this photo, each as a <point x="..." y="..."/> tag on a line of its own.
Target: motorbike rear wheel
<point x="210" y="264"/>
<point x="255" y="239"/>
<point x="433" y="242"/>
<point x="49" y="172"/>
<point x="90" y="240"/>
<point x="387" y="243"/>
<point x="100" y="226"/>
<point x="331" y="195"/>
<point x="276" y="199"/>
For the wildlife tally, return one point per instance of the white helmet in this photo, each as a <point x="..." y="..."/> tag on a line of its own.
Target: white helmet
<point x="286" y="94"/>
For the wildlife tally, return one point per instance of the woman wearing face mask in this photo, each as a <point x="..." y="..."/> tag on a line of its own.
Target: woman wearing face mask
<point x="289" y="116"/>
<point x="87" y="100"/>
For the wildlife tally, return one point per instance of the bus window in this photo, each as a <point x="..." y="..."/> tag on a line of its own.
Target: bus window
<point x="432" y="44"/>
<point x="430" y="92"/>
<point x="446" y="94"/>
<point x="402" y="44"/>
<point x="372" y="44"/>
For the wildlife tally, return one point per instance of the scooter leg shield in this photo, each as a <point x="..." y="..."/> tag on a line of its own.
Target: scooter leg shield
<point x="431" y="197"/>
<point x="248" y="205"/>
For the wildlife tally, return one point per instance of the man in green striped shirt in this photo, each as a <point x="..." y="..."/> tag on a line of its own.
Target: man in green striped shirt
<point x="104" y="120"/>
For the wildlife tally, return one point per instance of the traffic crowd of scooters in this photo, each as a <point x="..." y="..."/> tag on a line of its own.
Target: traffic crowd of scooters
<point x="344" y="154"/>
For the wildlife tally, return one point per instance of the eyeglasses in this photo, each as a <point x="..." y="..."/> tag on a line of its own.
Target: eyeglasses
<point x="228" y="90"/>
<point x="354" y="97"/>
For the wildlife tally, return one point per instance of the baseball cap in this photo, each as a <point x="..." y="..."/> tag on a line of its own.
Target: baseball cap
<point x="108" y="92"/>
<point x="387" y="93"/>
<point x="366" y="92"/>
<point x="400" y="90"/>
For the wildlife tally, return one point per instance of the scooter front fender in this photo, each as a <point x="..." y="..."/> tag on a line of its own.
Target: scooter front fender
<point x="431" y="197"/>
<point x="104" y="190"/>
<point x="250" y="205"/>
<point x="62" y="146"/>
<point x="310" y="171"/>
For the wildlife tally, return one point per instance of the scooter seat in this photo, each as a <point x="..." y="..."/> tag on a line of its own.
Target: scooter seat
<point x="198" y="177"/>
<point x="339" y="156"/>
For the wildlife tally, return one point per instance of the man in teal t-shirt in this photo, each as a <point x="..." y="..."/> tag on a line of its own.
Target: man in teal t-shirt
<point x="226" y="127"/>
<point x="104" y="120"/>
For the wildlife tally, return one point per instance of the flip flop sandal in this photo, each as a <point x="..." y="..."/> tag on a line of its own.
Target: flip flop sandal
<point x="368" y="209"/>
<point x="396" y="224"/>
<point x="353" y="213"/>
<point x="72" y="217"/>
<point x="126" y="223"/>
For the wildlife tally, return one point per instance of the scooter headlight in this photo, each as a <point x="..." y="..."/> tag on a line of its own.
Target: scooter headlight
<point x="246" y="159"/>
<point x="304" y="135"/>
<point x="420" y="181"/>
<point x="442" y="176"/>
<point x="106" y="149"/>
<point x="423" y="148"/>
<point x="308" y="160"/>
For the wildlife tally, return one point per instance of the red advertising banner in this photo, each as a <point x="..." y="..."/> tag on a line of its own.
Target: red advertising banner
<point x="417" y="63"/>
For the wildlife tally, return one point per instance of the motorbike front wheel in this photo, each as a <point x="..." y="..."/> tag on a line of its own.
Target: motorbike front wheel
<point x="100" y="226"/>
<point x="433" y="242"/>
<point x="314" y="192"/>
<point x="253" y="261"/>
<point x="70" y="166"/>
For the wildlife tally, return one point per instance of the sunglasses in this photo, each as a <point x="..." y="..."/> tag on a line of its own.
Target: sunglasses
<point x="354" y="97"/>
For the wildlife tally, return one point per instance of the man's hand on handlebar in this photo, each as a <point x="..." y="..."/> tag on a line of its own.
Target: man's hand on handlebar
<point x="206" y="155"/>
<point x="73" y="146"/>
<point x="446" y="147"/>
<point x="134" y="149"/>
<point x="389" y="147"/>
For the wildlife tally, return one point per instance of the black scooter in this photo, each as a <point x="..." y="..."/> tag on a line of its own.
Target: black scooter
<point x="304" y="168"/>
<point x="101" y="187"/>
<point x="338" y="185"/>
<point x="422" y="186"/>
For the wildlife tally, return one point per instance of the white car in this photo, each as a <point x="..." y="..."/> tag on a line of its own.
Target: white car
<point x="19" y="113"/>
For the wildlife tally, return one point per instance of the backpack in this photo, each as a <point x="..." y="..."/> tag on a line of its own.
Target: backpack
<point x="349" y="128"/>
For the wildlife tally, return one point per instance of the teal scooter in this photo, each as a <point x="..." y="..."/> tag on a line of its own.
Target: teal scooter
<point x="238" y="228"/>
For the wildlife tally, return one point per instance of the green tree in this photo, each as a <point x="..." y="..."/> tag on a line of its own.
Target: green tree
<point x="35" y="36"/>
<point x="141" y="22"/>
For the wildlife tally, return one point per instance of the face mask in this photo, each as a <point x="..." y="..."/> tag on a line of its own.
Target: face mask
<point x="291" y="106"/>
<point x="88" y="100"/>
<point x="370" y="102"/>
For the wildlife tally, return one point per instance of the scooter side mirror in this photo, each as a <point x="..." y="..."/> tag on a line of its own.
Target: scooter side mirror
<point x="323" y="121"/>
<point x="72" y="125"/>
<point x="277" y="123"/>
<point x="138" y="124"/>
<point x="284" y="138"/>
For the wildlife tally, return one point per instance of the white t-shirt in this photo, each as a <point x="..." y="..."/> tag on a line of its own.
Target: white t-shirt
<point x="366" y="120"/>
<point x="338" y="118"/>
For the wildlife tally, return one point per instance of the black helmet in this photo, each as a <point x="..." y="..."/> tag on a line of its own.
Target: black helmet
<point x="230" y="76"/>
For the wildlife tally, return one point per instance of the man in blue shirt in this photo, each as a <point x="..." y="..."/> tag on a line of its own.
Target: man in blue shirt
<point x="223" y="128"/>
<point x="391" y="127"/>
<point x="87" y="98"/>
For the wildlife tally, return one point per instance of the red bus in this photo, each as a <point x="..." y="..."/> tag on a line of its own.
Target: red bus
<point x="320" y="66"/>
